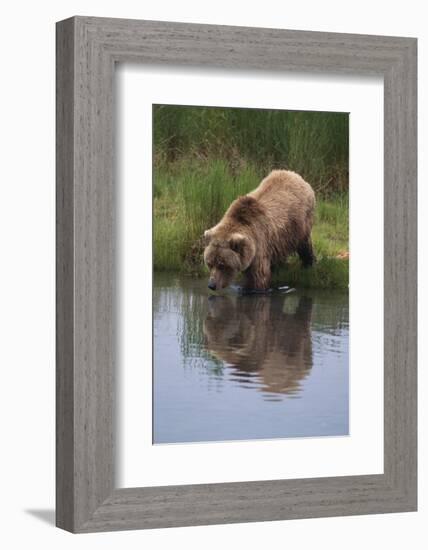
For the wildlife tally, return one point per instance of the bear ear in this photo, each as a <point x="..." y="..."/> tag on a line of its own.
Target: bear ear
<point x="207" y="236"/>
<point x="243" y="246"/>
<point x="237" y="242"/>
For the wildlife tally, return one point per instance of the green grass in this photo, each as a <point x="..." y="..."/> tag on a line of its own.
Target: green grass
<point x="192" y="194"/>
<point x="314" y="144"/>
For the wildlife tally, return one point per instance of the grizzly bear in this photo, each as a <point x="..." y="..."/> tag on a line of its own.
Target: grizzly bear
<point x="265" y="342"/>
<point x="260" y="230"/>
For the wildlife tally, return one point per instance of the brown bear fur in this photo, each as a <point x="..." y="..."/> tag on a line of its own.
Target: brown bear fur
<point x="263" y="340"/>
<point x="261" y="229"/>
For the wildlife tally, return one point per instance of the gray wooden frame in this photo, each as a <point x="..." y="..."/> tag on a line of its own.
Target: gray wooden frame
<point x="87" y="50"/>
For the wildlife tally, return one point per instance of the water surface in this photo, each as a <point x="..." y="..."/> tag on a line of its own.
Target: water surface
<point x="235" y="366"/>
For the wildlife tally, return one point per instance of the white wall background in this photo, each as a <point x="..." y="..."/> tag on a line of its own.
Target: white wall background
<point x="27" y="271"/>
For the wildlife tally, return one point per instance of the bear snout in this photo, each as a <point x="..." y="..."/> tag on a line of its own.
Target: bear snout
<point x="212" y="285"/>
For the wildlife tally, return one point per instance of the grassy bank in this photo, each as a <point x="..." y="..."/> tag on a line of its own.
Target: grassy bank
<point x="191" y="194"/>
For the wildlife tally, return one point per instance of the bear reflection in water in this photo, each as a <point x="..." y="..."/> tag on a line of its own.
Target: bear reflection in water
<point x="265" y="340"/>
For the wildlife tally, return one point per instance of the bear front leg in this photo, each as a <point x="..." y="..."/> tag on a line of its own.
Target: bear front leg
<point x="306" y="252"/>
<point x="257" y="276"/>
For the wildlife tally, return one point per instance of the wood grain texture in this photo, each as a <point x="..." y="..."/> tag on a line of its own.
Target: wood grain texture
<point x="64" y="277"/>
<point x="87" y="50"/>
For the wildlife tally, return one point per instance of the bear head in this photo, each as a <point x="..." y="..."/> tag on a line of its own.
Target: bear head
<point x="226" y="256"/>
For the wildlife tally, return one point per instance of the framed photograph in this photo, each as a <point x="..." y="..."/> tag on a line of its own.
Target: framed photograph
<point x="236" y="274"/>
